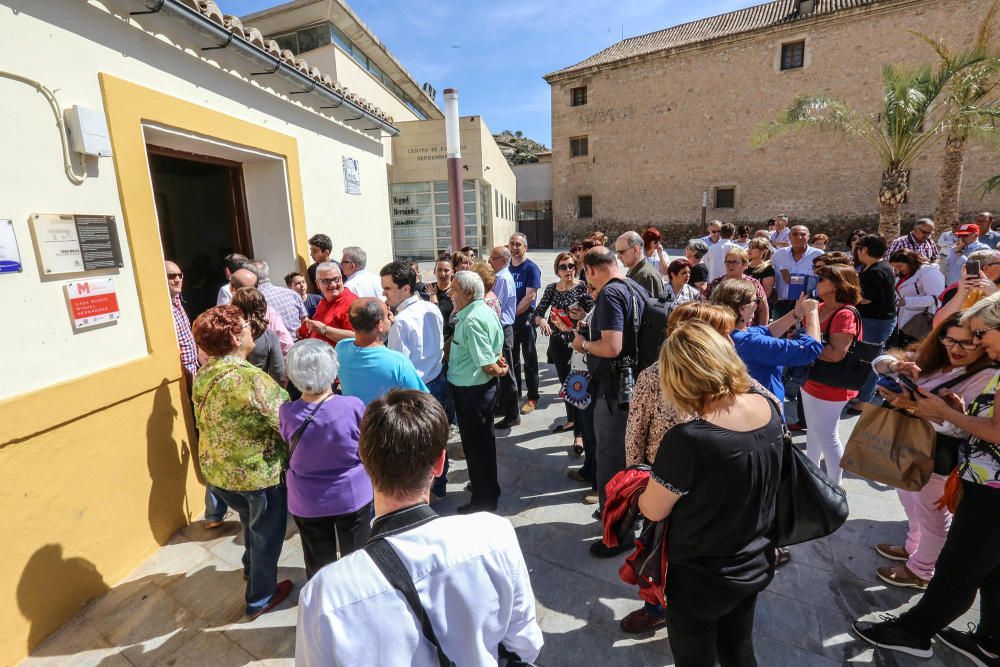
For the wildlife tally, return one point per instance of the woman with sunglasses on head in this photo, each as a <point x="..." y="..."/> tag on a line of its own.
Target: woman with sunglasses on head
<point x="948" y="358"/>
<point x="969" y="562"/>
<point x="839" y="290"/>
<point x="764" y="349"/>
<point x="554" y="305"/>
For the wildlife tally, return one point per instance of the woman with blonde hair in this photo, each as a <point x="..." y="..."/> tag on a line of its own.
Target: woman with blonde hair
<point x="716" y="477"/>
<point x="489" y="277"/>
<point x="650" y="417"/>
<point x="759" y="265"/>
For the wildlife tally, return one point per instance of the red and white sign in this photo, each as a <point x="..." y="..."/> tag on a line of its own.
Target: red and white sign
<point x="92" y="302"/>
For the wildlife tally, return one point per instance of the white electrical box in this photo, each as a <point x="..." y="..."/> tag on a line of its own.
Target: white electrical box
<point x="88" y="131"/>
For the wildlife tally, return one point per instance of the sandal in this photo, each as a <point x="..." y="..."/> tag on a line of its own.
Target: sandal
<point x="781" y="555"/>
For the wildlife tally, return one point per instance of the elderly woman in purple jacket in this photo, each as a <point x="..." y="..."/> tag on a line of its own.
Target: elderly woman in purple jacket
<point x="329" y="492"/>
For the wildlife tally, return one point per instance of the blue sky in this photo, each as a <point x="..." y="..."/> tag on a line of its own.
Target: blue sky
<point x="495" y="53"/>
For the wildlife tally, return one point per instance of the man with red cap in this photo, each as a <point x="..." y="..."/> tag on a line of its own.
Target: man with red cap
<point x="966" y="242"/>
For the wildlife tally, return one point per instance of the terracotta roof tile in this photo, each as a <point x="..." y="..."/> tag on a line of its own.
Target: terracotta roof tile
<point x="253" y="36"/>
<point x="724" y="25"/>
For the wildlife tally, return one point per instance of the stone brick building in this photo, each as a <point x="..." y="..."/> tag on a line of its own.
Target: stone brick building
<point x="642" y="129"/>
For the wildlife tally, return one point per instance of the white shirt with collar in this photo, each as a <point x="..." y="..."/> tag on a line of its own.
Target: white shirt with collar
<point x="224" y="296"/>
<point x="784" y="259"/>
<point x="418" y="332"/>
<point x="364" y="283"/>
<point x="471" y="578"/>
<point x="715" y="258"/>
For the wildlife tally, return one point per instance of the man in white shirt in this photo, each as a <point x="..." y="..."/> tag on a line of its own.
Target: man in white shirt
<point x="715" y="259"/>
<point x="418" y="332"/>
<point x="349" y="613"/>
<point x="793" y="269"/>
<point x="714" y="232"/>
<point x="232" y="263"/>
<point x="781" y="236"/>
<point x="360" y="281"/>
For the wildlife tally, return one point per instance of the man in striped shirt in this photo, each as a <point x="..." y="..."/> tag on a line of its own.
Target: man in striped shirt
<point x="182" y="324"/>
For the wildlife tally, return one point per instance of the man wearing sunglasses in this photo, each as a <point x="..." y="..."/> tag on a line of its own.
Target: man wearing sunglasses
<point x="714" y="232"/>
<point x="631" y="251"/>
<point x="182" y="323"/>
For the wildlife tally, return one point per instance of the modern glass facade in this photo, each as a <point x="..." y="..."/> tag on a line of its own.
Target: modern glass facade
<point x="421" y="218"/>
<point x="321" y="34"/>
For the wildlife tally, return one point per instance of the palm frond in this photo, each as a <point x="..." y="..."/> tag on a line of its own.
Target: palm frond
<point x="992" y="184"/>
<point x="986" y="30"/>
<point x="810" y="112"/>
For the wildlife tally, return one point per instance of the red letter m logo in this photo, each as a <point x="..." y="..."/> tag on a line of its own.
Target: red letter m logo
<point x="83" y="288"/>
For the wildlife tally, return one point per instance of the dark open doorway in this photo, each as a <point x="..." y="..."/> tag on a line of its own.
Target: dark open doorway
<point x="202" y="213"/>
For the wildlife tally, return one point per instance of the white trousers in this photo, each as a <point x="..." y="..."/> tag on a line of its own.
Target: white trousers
<point x="822" y="438"/>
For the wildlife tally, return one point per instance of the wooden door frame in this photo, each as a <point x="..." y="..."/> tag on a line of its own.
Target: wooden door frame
<point x="239" y="220"/>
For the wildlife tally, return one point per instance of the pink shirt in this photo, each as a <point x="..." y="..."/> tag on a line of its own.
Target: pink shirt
<point x="275" y="324"/>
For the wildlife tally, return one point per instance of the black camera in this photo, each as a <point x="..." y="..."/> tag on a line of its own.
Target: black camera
<point x="626" y="383"/>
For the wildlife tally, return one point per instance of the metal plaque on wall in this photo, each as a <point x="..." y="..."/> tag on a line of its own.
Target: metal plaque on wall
<point x="76" y="243"/>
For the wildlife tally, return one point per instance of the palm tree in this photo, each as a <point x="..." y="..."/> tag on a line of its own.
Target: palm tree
<point x="969" y="103"/>
<point x="907" y="125"/>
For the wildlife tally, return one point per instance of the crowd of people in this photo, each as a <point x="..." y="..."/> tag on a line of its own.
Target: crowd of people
<point x="333" y="399"/>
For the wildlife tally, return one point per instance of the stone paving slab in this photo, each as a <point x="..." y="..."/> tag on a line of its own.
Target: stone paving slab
<point x="183" y="606"/>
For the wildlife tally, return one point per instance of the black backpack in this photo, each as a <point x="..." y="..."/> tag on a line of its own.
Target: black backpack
<point x="650" y="332"/>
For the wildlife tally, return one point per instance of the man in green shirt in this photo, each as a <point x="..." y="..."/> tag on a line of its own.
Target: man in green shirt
<point x="631" y="251"/>
<point x="474" y="364"/>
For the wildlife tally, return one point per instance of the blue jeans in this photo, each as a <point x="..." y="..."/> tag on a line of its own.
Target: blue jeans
<point x="263" y="514"/>
<point x="874" y="331"/>
<point x="215" y="507"/>
<point x="438" y="387"/>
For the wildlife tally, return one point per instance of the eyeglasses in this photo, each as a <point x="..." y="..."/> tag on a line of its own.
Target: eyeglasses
<point x="622" y="252"/>
<point x="174" y="276"/>
<point x="977" y="334"/>
<point x="246" y="325"/>
<point x="733" y="261"/>
<point x="950" y="342"/>
<point x="564" y="267"/>
<point x="715" y="231"/>
<point x="329" y="281"/>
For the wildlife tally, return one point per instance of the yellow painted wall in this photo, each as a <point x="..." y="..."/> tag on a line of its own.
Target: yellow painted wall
<point x="99" y="467"/>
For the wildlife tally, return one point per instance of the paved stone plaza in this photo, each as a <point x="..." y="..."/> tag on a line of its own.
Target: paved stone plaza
<point x="184" y="605"/>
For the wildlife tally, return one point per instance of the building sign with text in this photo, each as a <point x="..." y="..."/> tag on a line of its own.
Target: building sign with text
<point x="76" y="243"/>
<point x="92" y="302"/>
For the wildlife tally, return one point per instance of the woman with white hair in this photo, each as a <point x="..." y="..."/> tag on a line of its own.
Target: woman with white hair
<point x="329" y="492"/>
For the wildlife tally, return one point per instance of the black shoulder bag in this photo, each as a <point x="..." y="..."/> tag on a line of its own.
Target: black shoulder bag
<point x="392" y="568"/>
<point x="294" y="440"/>
<point x="808" y="505"/>
<point x="851" y="371"/>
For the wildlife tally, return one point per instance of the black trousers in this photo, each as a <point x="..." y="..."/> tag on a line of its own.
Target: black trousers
<point x="560" y="354"/>
<point x="323" y="536"/>
<point x="524" y="344"/>
<point x="969" y="562"/>
<point x="507" y="391"/>
<point x="698" y="641"/>
<point x="474" y="406"/>
<point x="585" y="419"/>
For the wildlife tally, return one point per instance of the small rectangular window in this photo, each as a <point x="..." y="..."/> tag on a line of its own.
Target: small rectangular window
<point x="578" y="146"/>
<point x="792" y="55"/>
<point x="584" y="206"/>
<point x="314" y="37"/>
<point x="578" y="96"/>
<point x="725" y="197"/>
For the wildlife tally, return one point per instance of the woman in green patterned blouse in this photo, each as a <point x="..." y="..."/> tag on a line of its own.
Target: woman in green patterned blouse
<point x="240" y="450"/>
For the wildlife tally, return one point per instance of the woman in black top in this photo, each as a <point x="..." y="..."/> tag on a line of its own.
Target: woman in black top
<point x="266" y="353"/>
<point x="716" y="478"/>
<point x="878" y="303"/>
<point x="560" y="296"/>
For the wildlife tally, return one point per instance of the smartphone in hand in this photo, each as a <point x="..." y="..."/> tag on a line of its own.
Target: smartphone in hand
<point x="972" y="267"/>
